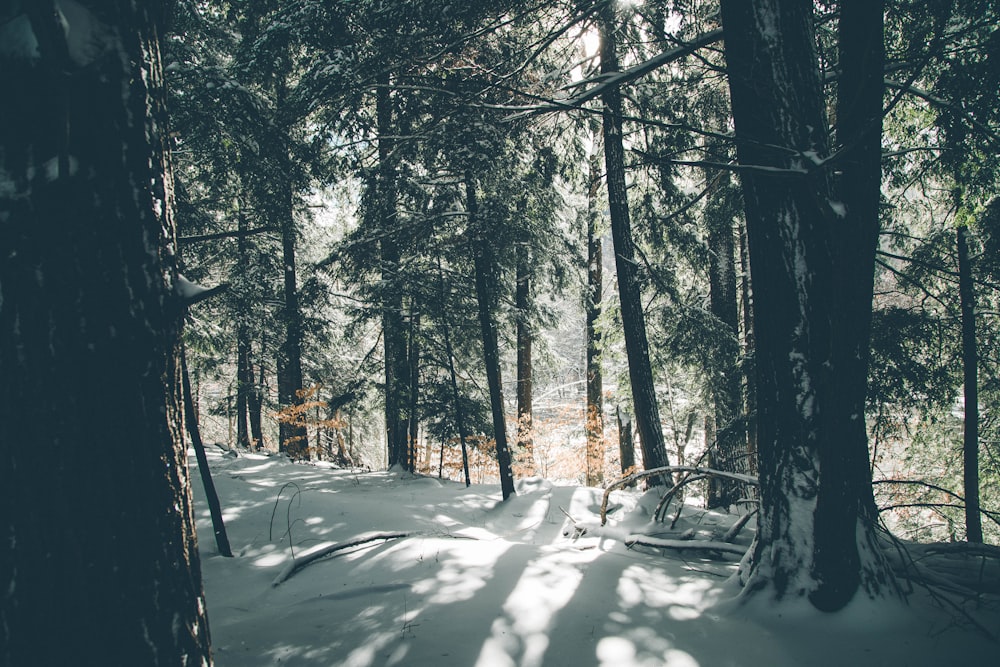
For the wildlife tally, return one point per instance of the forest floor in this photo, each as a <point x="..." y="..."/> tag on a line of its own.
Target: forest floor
<point x="477" y="582"/>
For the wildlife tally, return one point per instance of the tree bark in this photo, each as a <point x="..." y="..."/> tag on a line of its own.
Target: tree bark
<point x="970" y="369"/>
<point x="102" y="563"/>
<point x="595" y="285"/>
<point x="816" y="532"/>
<point x="194" y="432"/>
<point x="522" y="296"/>
<point x="244" y="370"/>
<point x="749" y="376"/>
<point x="729" y="450"/>
<point x="293" y="437"/>
<point x="486" y="271"/>
<point x="393" y="331"/>
<point x="625" y="447"/>
<point x="413" y="390"/>
<point x="647" y="413"/>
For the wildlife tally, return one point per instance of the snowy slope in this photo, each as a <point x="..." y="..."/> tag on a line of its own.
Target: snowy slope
<point x="481" y="583"/>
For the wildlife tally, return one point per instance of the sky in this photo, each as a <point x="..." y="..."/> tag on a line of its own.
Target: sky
<point x="532" y="582"/>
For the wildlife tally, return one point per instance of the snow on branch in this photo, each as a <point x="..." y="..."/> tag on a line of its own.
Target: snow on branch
<point x="667" y="470"/>
<point x="702" y="545"/>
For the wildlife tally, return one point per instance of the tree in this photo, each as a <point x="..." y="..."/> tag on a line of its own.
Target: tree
<point x="647" y="412"/>
<point x="812" y="261"/>
<point x="90" y="317"/>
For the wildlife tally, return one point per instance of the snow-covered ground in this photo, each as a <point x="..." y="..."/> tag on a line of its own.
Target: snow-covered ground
<point x="483" y="583"/>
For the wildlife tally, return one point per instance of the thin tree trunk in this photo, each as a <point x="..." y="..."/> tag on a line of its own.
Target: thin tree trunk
<point x="647" y="413"/>
<point x="970" y="368"/>
<point x="486" y="275"/>
<point x="463" y="435"/>
<point x="522" y="295"/>
<point x="99" y="564"/>
<point x="255" y="405"/>
<point x="293" y="437"/>
<point x="413" y="391"/>
<point x="211" y="496"/>
<point x="595" y="386"/>
<point x="393" y="334"/>
<point x="728" y="450"/>
<point x="244" y="376"/>
<point x="749" y="377"/>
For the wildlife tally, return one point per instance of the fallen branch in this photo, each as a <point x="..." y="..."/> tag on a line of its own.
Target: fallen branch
<point x="704" y="545"/>
<point x="327" y="548"/>
<point x="665" y="470"/>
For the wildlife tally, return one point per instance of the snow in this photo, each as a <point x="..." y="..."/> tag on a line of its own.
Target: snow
<point x="484" y="583"/>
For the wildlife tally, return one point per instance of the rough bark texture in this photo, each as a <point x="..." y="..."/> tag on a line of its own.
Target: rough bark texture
<point x="293" y="437"/>
<point x="522" y="306"/>
<point x="595" y="284"/>
<point x="486" y="271"/>
<point x="729" y="450"/>
<point x="812" y="278"/>
<point x="647" y="412"/>
<point x="89" y="366"/>
<point x="244" y="369"/>
<point x="393" y="331"/>
<point x="970" y="370"/>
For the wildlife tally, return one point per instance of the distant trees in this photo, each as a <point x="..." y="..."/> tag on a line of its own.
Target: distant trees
<point x="105" y="558"/>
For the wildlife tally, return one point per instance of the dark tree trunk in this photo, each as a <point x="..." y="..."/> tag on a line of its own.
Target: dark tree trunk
<point x="522" y="296"/>
<point x="292" y="435"/>
<point x="595" y="284"/>
<point x="749" y="374"/>
<point x="99" y="564"/>
<point x="393" y="331"/>
<point x="812" y="281"/>
<point x="486" y="270"/>
<point x="625" y="448"/>
<point x="255" y="405"/>
<point x="413" y="390"/>
<point x="244" y="369"/>
<point x="970" y="368"/>
<point x="194" y="432"/>
<point x="463" y="433"/>
<point x="647" y="413"/>
<point x="729" y="450"/>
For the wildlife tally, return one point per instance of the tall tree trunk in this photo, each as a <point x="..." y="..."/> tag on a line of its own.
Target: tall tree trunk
<point x="102" y="563"/>
<point x="729" y="450"/>
<point x="749" y="376"/>
<point x="463" y="435"/>
<point x="194" y="432"/>
<point x="595" y="285"/>
<point x="413" y="390"/>
<point x="244" y="370"/>
<point x="815" y="531"/>
<point x="292" y="435"/>
<point x="486" y="270"/>
<point x="393" y="331"/>
<point x="970" y="368"/>
<point x="647" y="413"/>
<point x="522" y="306"/>
<point x="255" y="404"/>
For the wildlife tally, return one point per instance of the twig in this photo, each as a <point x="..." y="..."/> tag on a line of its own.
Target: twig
<point x="660" y="543"/>
<point x="327" y="548"/>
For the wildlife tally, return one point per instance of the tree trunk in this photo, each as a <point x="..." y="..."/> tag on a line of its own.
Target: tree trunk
<point x="244" y="371"/>
<point x="815" y="530"/>
<point x="647" y="413"/>
<point x="292" y="435"/>
<point x="970" y="368"/>
<point x="413" y="390"/>
<point x="522" y="295"/>
<point x="393" y="331"/>
<point x="194" y="432"/>
<point x="101" y="563"/>
<point x="625" y="447"/>
<point x="595" y="386"/>
<point x="255" y="405"/>
<point x="749" y="377"/>
<point x="728" y="451"/>
<point x="486" y="270"/>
